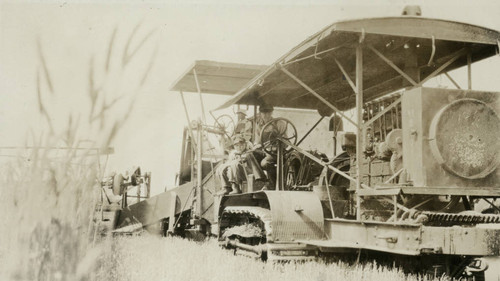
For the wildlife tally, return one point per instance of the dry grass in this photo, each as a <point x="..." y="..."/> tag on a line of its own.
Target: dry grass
<point x="153" y="258"/>
<point x="48" y="195"/>
<point x="46" y="208"/>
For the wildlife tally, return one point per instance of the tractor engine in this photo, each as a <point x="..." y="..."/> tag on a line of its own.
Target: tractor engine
<point x="434" y="138"/>
<point x="383" y="143"/>
<point x="451" y="138"/>
<point x="439" y="141"/>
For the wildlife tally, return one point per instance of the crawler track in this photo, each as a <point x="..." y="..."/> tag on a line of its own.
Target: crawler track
<point x="237" y="219"/>
<point x="471" y="218"/>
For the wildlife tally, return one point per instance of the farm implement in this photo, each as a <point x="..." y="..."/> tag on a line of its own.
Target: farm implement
<point x="416" y="180"/>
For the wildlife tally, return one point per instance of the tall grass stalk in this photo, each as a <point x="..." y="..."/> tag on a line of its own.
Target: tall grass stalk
<point x="48" y="194"/>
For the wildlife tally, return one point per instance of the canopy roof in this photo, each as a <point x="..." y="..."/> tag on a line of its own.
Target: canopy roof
<point x="431" y="43"/>
<point x="217" y="77"/>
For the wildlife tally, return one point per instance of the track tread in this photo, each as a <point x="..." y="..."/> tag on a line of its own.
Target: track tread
<point x="257" y="212"/>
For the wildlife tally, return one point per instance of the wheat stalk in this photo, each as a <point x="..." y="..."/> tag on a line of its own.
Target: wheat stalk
<point x="47" y="195"/>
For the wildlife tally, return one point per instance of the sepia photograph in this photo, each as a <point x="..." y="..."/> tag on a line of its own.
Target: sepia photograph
<point x="250" y="140"/>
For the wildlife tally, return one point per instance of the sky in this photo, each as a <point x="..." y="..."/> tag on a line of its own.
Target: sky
<point x="64" y="43"/>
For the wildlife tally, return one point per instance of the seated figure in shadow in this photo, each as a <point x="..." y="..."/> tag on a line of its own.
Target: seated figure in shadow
<point x="240" y="163"/>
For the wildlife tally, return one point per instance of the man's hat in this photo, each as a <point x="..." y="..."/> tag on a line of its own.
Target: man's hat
<point x="241" y="111"/>
<point x="238" y="139"/>
<point x="266" y="108"/>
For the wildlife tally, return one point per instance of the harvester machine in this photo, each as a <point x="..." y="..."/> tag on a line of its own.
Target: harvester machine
<point x="414" y="182"/>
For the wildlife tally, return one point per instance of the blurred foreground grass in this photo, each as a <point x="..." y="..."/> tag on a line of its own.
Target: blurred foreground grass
<point x="49" y="185"/>
<point x="46" y="209"/>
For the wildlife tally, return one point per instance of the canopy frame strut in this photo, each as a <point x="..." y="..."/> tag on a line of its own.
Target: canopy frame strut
<point x="454" y="57"/>
<point x="391" y="64"/>
<point x="199" y="93"/>
<point x="346" y="75"/>
<point x="452" y="80"/>
<point x="317" y="95"/>
<point x="361" y="127"/>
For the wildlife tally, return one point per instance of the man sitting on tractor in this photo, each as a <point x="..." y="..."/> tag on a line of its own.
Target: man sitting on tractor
<point x="240" y="162"/>
<point x="267" y="161"/>
<point x="244" y="160"/>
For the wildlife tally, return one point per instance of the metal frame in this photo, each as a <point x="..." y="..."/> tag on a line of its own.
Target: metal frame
<point x="199" y="93"/>
<point x="390" y="63"/>
<point x="357" y="88"/>
<point x="452" y="80"/>
<point x="361" y="127"/>
<point x="346" y="75"/>
<point x="407" y="239"/>
<point x="317" y="95"/>
<point x="199" y="174"/>
<point x="196" y="139"/>
<point x="196" y="152"/>
<point x="196" y="148"/>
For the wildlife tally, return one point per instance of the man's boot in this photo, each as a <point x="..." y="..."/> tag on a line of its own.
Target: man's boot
<point x="236" y="189"/>
<point x="224" y="191"/>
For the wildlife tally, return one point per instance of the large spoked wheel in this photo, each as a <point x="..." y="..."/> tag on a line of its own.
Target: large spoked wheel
<point x="273" y="131"/>
<point x="292" y="170"/>
<point x="226" y="124"/>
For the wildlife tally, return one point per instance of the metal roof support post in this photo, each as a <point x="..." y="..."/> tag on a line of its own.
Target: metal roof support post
<point x="192" y="155"/>
<point x="359" y="111"/>
<point x="199" y="93"/>
<point x="183" y="159"/>
<point x="187" y="117"/>
<point x="327" y="184"/>
<point x="191" y="135"/>
<point x="199" y="172"/>
<point x="317" y="95"/>
<point x="279" y="167"/>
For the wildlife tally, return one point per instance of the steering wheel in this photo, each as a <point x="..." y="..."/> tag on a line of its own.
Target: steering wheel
<point x="275" y="129"/>
<point x="226" y="124"/>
